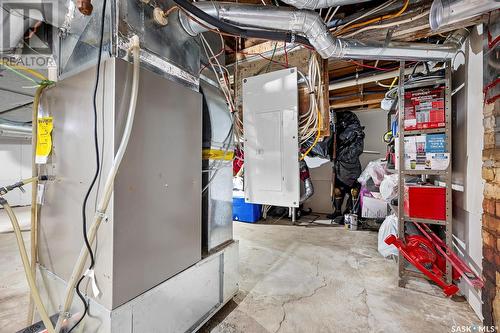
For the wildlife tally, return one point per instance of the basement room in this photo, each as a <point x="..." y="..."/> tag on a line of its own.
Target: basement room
<point x="250" y="166"/>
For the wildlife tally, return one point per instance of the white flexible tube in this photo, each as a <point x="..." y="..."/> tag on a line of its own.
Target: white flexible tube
<point x="27" y="268"/>
<point x="108" y="188"/>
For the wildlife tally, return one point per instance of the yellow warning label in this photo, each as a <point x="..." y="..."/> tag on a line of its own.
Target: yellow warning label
<point x="44" y="139"/>
<point x="217" y="154"/>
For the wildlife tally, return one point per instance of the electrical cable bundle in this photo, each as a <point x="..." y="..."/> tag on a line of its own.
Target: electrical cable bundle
<point x="241" y="32"/>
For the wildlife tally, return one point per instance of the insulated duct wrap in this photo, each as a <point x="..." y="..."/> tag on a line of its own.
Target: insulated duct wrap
<point x="317" y="4"/>
<point x="309" y="24"/>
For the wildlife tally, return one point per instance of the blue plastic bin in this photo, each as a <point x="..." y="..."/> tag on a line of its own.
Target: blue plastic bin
<point x="245" y="212"/>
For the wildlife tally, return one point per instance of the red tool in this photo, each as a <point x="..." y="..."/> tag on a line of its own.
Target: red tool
<point x="420" y="253"/>
<point x="458" y="264"/>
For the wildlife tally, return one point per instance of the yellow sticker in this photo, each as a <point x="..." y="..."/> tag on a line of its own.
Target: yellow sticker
<point x="216" y="154"/>
<point x="44" y="139"/>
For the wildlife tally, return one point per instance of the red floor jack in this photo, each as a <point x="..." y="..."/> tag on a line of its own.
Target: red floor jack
<point x="420" y="251"/>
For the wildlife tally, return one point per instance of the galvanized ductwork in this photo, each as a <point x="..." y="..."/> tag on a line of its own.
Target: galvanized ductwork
<point x="309" y="24"/>
<point x="446" y="12"/>
<point x="317" y="4"/>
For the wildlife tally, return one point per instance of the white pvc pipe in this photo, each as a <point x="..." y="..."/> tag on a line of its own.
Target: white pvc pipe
<point x="373" y="78"/>
<point x="108" y="188"/>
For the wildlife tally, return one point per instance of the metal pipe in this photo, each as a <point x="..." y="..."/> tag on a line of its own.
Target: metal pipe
<point x="372" y="78"/>
<point x="24" y="130"/>
<point x="446" y="12"/>
<point x="310" y="24"/>
<point x="317" y="4"/>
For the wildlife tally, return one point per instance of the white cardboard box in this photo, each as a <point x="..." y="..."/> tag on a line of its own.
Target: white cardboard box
<point x="373" y="208"/>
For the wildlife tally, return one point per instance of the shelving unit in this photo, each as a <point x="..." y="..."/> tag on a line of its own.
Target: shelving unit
<point x="406" y="270"/>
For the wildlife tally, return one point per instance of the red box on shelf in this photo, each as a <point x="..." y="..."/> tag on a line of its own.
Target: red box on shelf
<point x="424" y="108"/>
<point x="425" y="202"/>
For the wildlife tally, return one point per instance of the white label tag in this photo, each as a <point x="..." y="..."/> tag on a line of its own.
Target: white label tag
<point x="40" y="194"/>
<point x="90" y="274"/>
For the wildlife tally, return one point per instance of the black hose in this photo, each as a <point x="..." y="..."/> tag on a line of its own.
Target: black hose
<point x="235" y="30"/>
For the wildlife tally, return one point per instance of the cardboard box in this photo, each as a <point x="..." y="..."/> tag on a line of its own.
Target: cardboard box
<point x="373" y="208"/>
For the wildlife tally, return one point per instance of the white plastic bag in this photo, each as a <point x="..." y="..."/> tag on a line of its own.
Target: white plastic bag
<point x="388" y="227"/>
<point x="374" y="170"/>
<point x="389" y="187"/>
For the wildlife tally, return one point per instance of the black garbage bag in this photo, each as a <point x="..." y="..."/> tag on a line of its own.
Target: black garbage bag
<point x="350" y="144"/>
<point x="321" y="149"/>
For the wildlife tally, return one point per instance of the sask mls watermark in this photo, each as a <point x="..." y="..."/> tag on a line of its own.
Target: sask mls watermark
<point x="473" y="329"/>
<point x="20" y="40"/>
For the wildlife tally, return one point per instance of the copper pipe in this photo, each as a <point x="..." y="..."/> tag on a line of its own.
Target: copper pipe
<point x="85" y="7"/>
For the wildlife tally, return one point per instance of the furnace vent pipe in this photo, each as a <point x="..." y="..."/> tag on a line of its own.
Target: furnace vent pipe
<point x="317" y="4"/>
<point x="309" y="24"/>
<point x="446" y="12"/>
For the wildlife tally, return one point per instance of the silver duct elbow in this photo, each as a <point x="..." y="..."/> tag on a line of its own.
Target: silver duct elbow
<point x="309" y="24"/>
<point x="308" y="190"/>
<point x="317" y="4"/>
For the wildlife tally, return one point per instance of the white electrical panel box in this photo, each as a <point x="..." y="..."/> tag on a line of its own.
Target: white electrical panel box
<point x="270" y="111"/>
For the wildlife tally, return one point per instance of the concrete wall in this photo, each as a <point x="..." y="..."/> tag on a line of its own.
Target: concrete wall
<point x="15" y="164"/>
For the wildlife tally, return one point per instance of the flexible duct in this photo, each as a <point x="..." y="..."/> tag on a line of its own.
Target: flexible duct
<point x="305" y="176"/>
<point x="446" y="12"/>
<point x="317" y="4"/>
<point x="309" y="24"/>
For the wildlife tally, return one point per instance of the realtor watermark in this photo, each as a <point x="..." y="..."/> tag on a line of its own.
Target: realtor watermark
<point x="474" y="329"/>
<point x="20" y="43"/>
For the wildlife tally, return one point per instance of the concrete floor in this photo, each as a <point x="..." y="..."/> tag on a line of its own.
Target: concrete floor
<point x="327" y="279"/>
<point x="293" y="279"/>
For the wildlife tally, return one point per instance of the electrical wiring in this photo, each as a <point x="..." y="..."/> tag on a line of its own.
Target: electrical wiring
<point x="378" y="19"/>
<point x="388" y="25"/>
<point x="237" y="31"/>
<point x="373" y="11"/>
<point x="308" y="122"/>
<point x="36" y="74"/>
<point x="328" y="18"/>
<point x="97" y="168"/>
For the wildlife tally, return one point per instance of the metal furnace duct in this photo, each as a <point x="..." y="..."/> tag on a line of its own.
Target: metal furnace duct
<point x="317" y="4"/>
<point x="446" y="12"/>
<point x="309" y="24"/>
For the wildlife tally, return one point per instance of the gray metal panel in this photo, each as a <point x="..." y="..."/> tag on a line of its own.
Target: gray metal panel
<point x="73" y="165"/>
<point x="270" y="107"/>
<point x="180" y="304"/>
<point x="219" y="215"/>
<point x="158" y="188"/>
<point x="184" y="302"/>
<point x="218" y="198"/>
